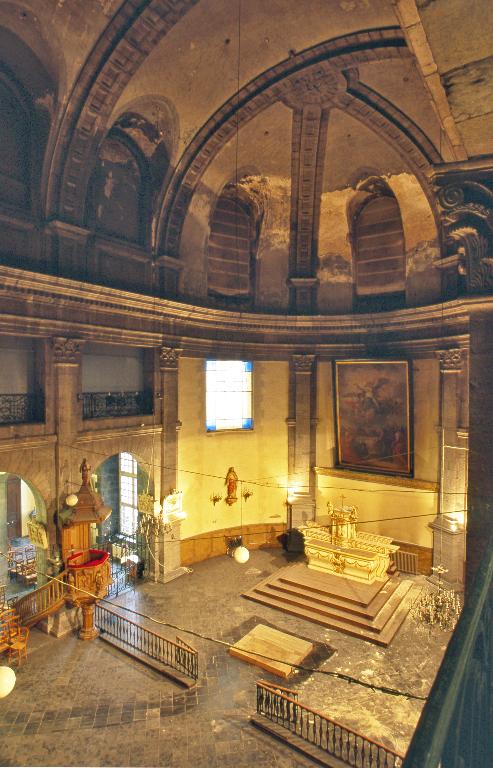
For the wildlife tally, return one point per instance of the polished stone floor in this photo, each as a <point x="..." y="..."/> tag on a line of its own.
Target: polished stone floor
<point x="86" y="704"/>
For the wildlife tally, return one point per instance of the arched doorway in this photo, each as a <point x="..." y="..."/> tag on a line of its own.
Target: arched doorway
<point x="120" y="479"/>
<point x="22" y="534"/>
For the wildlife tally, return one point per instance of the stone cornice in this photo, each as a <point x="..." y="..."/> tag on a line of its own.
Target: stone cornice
<point x="51" y="306"/>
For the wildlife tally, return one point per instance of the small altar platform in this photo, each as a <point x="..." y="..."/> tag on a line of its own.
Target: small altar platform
<point x="373" y="612"/>
<point x="272" y="650"/>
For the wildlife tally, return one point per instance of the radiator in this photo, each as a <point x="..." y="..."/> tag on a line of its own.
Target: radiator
<point x="406" y="562"/>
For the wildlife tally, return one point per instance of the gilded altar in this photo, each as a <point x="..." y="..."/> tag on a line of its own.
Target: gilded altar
<point x="338" y="547"/>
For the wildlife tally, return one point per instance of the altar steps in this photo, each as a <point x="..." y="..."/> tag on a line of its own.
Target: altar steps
<point x="372" y="612"/>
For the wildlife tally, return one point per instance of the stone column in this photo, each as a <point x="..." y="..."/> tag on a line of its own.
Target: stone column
<point x="449" y="525"/>
<point x="66" y="361"/>
<point x="303" y="506"/>
<point x="168" y="559"/>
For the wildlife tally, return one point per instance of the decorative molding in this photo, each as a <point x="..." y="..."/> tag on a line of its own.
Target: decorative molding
<point x="303" y="363"/>
<point x="27" y="443"/>
<point x="67" y="351"/>
<point x="168" y="358"/>
<point x="119" y="433"/>
<point x="451" y="360"/>
<point x="366" y="477"/>
<point x="102" y="314"/>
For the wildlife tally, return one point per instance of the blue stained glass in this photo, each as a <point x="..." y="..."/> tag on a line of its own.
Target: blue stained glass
<point x="247" y="423"/>
<point x="248" y="366"/>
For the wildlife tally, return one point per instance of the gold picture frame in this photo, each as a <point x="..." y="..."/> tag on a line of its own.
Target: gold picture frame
<point x="373" y="416"/>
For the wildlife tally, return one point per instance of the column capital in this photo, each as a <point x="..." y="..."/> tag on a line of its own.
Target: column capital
<point x="168" y="358"/>
<point x="451" y="360"/>
<point x="303" y="363"/>
<point x="67" y="351"/>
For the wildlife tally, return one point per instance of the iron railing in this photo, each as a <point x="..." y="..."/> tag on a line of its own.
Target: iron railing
<point x="282" y="707"/>
<point x="455" y="728"/>
<point x="22" y="409"/>
<point x="177" y="655"/>
<point x="99" y="405"/>
<point x="42" y="601"/>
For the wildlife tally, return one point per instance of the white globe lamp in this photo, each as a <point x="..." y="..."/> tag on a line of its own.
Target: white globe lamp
<point x="71" y="500"/>
<point x="7" y="681"/>
<point x="241" y="555"/>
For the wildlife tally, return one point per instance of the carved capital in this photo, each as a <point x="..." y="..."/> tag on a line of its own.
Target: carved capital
<point x="450" y="360"/>
<point x="168" y="358"/>
<point x="67" y="351"/>
<point x="303" y="363"/>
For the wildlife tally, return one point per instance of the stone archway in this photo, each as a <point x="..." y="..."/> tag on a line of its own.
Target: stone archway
<point x="23" y="539"/>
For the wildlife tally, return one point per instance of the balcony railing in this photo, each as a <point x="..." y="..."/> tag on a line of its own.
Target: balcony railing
<point x="177" y="655"/>
<point x="281" y="706"/>
<point x="100" y="405"/>
<point x="455" y="728"/>
<point x="22" y="409"/>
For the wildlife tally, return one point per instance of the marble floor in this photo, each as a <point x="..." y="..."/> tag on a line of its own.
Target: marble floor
<point x="86" y="704"/>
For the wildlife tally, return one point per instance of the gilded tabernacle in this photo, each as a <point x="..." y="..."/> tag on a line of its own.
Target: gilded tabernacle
<point x="339" y="548"/>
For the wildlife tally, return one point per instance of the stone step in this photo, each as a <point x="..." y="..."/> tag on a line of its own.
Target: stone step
<point x="382" y="636"/>
<point x="328" y="609"/>
<point x="358" y="593"/>
<point x="370" y="611"/>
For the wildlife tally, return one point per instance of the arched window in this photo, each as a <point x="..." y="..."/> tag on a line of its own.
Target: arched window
<point x="378" y="238"/>
<point x="15" y="149"/>
<point x="120" y="191"/>
<point x="232" y="244"/>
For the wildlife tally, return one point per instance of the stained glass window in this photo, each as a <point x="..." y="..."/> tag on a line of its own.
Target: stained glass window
<point x="228" y="395"/>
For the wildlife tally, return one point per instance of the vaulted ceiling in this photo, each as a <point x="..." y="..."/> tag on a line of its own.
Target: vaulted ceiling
<point x="313" y="96"/>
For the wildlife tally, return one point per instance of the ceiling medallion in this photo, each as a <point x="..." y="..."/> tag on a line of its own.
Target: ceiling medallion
<point x="317" y="85"/>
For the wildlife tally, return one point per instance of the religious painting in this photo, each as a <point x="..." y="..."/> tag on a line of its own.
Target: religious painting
<point x="373" y="416"/>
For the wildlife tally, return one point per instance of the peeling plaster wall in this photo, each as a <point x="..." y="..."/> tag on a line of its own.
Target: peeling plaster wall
<point x="259" y="455"/>
<point x="354" y="152"/>
<point x="263" y="151"/>
<point x="379" y="502"/>
<point x="335" y="273"/>
<point x="421" y="240"/>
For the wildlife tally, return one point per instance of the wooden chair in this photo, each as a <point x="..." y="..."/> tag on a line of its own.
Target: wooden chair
<point x="18" y="645"/>
<point x="4" y="639"/>
<point x="11" y="564"/>
<point x="10" y="621"/>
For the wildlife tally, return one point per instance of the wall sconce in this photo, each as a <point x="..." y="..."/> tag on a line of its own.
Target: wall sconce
<point x="215" y="497"/>
<point x="247" y="493"/>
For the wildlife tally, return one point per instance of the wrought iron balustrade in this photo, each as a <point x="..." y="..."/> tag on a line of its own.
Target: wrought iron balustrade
<point x="22" y="409"/>
<point x="281" y="706"/>
<point x="178" y="655"/>
<point x="100" y="405"/>
<point x="455" y="728"/>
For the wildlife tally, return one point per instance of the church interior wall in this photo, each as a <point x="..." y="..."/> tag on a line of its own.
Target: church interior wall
<point x="379" y="503"/>
<point x="259" y="456"/>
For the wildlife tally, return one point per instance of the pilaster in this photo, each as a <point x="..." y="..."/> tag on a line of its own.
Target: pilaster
<point x="168" y="562"/>
<point x="66" y="356"/>
<point x="300" y="428"/>
<point x="449" y="525"/>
